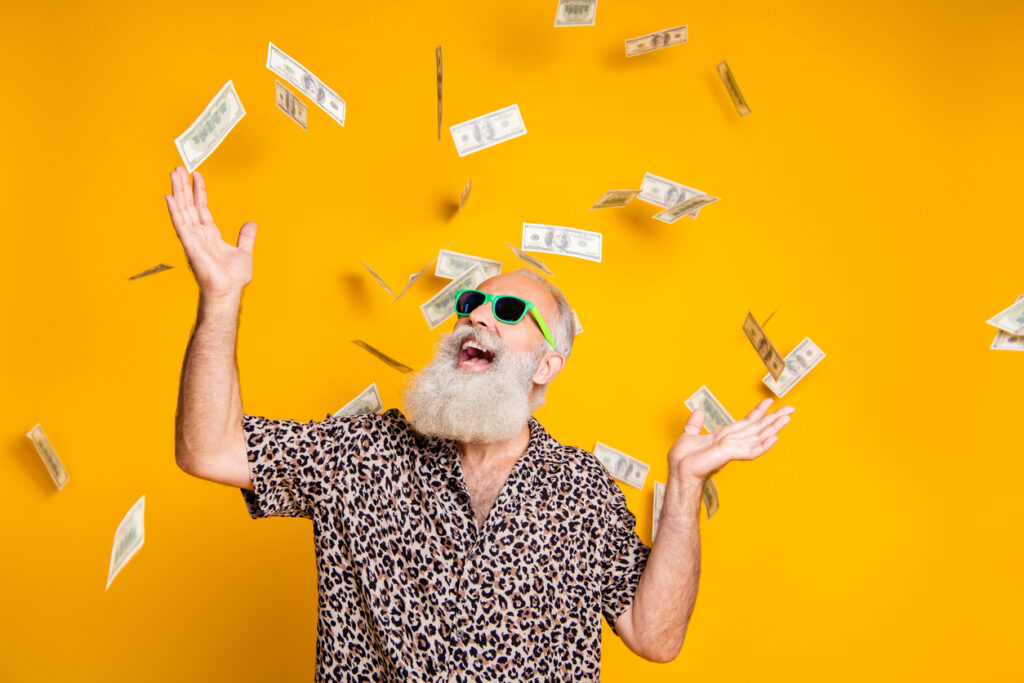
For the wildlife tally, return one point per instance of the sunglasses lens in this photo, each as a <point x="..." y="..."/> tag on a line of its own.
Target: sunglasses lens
<point x="467" y="301"/>
<point x="509" y="309"/>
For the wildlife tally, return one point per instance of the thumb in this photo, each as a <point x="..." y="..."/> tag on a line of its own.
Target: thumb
<point x="695" y="422"/>
<point x="247" y="236"/>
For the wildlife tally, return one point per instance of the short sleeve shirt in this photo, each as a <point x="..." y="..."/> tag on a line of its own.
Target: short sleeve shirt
<point x="410" y="589"/>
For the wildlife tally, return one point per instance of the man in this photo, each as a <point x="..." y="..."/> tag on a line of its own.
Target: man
<point x="462" y="543"/>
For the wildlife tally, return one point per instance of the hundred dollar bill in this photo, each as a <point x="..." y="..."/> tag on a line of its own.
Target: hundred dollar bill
<point x="710" y="497"/>
<point x="401" y="367"/>
<point x="441" y="306"/>
<point x="488" y="130"/>
<point x="1005" y="341"/>
<point x="621" y="466"/>
<point x="615" y="198"/>
<point x="128" y="538"/>
<point x="308" y="84"/>
<point x="530" y="260"/>
<point x="715" y="414"/>
<point x="210" y="129"/>
<point x="158" y="268"/>
<point x="576" y="13"/>
<point x="366" y="402"/>
<point x="659" y="500"/>
<point x="684" y="208"/>
<point x="656" y="41"/>
<point x="771" y="358"/>
<point x="290" y="104"/>
<point x="1011" y="319"/>
<point x="665" y="193"/>
<point x="725" y="73"/>
<point x="576" y="323"/>
<point x="437" y="55"/>
<point x="412" y="280"/>
<point x="49" y="456"/>
<point x="451" y="264"/>
<point x="465" y="192"/>
<point x="798" y="363"/>
<point x="555" y="239"/>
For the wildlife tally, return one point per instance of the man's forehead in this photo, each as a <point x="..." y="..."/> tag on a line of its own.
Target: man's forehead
<point x="519" y="285"/>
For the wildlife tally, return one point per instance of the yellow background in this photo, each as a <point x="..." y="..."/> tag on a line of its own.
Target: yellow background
<point x="873" y="195"/>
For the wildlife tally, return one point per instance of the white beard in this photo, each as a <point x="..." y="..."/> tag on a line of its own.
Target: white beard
<point x="483" y="406"/>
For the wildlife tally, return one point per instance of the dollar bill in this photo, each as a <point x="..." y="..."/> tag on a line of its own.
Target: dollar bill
<point x="710" y="497"/>
<point x="555" y="239"/>
<point x="659" y="500"/>
<point x="1011" y="320"/>
<point x="128" y="538"/>
<point x="798" y="363"/>
<point x="49" y="456"/>
<point x="1005" y="341"/>
<point x="576" y="323"/>
<point x="308" y="84"/>
<point x="290" y="104"/>
<point x="366" y="402"/>
<point x="437" y="55"/>
<point x="465" y="192"/>
<point x="715" y="414"/>
<point x="401" y="367"/>
<point x="576" y="13"/>
<point x="488" y="130"/>
<point x="412" y="279"/>
<point x="771" y="358"/>
<point x="530" y="260"/>
<point x="684" y="208"/>
<point x="655" y="41"/>
<point x="441" y="306"/>
<point x="725" y="73"/>
<point x="210" y="129"/>
<point x="615" y="198"/>
<point x="665" y="193"/>
<point x="621" y="466"/>
<point x="158" y="268"/>
<point x="451" y="264"/>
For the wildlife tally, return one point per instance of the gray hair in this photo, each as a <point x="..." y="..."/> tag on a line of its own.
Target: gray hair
<point x="563" y="327"/>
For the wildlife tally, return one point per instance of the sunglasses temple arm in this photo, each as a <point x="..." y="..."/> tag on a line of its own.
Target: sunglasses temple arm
<point x="543" y="326"/>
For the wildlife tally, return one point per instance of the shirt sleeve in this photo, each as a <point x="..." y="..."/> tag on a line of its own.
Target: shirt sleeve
<point x="623" y="557"/>
<point x="291" y="465"/>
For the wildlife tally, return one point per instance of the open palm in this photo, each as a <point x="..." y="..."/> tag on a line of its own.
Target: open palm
<point x="219" y="268"/>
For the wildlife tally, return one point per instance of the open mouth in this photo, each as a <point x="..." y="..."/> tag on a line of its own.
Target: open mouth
<point x="474" y="356"/>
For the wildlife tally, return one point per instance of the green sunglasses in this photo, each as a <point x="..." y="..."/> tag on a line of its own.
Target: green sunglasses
<point x="506" y="308"/>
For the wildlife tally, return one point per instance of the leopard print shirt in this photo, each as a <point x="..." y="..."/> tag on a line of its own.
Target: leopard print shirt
<point x="410" y="589"/>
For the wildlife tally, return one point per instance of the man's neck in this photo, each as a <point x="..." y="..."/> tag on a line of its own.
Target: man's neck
<point x="494" y="453"/>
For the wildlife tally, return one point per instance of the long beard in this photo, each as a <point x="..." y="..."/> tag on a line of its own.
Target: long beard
<point x="485" y="406"/>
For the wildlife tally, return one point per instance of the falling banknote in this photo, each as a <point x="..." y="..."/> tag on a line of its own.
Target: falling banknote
<point x="465" y="192"/>
<point x="615" y="198"/>
<point x="656" y="41"/>
<point x="128" y="538"/>
<point x="530" y="260"/>
<point x="771" y="358"/>
<point x="798" y="363"/>
<point x="710" y="497"/>
<point x="659" y="500"/>
<point x="210" y="129"/>
<point x="576" y="13"/>
<point x="158" y="268"/>
<point x="665" y="193"/>
<point x="621" y="466"/>
<point x="366" y="402"/>
<point x="725" y="73"/>
<point x="437" y="56"/>
<point x="715" y="414"/>
<point x="1005" y="341"/>
<point x="401" y="367"/>
<point x="451" y="264"/>
<point x="1011" y="319"/>
<point x="555" y="239"/>
<point x="576" y="323"/>
<point x="412" y="279"/>
<point x="684" y="208"/>
<point x="290" y="104"/>
<point x="488" y="130"/>
<point x="49" y="456"/>
<point x="308" y="84"/>
<point x="441" y="306"/>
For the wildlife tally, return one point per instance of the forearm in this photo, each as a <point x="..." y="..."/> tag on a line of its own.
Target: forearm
<point x="667" y="590"/>
<point x="209" y="415"/>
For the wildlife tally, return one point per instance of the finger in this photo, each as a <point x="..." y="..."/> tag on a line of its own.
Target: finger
<point x="199" y="187"/>
<point x="187" y="202"/>
<point x="247" y="237"/>
<point x="760" y="409"/>
<point x="756" y="426"/>
<point x="694" y="423"/>
<point x="773" y="427"/>
<point x="178" y="192"/>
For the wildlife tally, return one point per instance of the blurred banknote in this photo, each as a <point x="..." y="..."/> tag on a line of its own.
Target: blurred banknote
<point x="437" y="55"/>
<point x="488" y="130"/>
<point x="710" y="497"/>
<point x="656" y="41"/>
<point x="555" y="239"/>
<point x="715" y="414"/>
<point x="49" y="456"/>
<point x="530" y="260"/>
<point x="623" y="467"/>
<point x="725" y="73"/>
<point x="665" y="193"/>
<point x="465" y="192"/>
<point x="128" y="538"/>
<point x="1005" y="341"/>
<point x="290" y="104"/>
<point x="366" y="402"/>
<point x="576" y="13"/>
<point x="441" y="306"/>
<point x="401" y="367"/>
<point x="798" y="363"/>
<point x="158" y="268"/>
<point x="210" y="129"/>
<point x="659" y="500"/>
<point x="615" y="198"/>
<point x="308" y="84"/>
<point x="576" y="323"/>
<point x="1012" y="319"/>
<point x="771" y="358"/>
<point x="412" y="279"/>
<point x="684" y="208"/>
<point x="451" y="264"/>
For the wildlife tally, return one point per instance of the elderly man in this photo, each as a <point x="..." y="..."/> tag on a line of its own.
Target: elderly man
<point x="461" y="542"/>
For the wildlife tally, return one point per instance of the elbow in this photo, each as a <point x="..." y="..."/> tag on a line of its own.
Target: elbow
<point x="663" y="655"/>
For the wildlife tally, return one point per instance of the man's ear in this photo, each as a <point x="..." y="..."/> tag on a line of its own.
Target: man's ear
<point x="550" y="366"/>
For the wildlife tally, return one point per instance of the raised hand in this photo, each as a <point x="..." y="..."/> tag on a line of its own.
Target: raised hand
<point x="697" y="456"/>
<point x="219" y="268"/>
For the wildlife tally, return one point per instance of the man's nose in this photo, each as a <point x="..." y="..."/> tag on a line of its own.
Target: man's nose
<point x="482" y="316"/>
